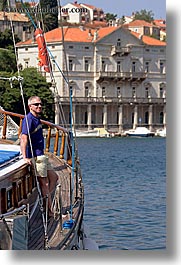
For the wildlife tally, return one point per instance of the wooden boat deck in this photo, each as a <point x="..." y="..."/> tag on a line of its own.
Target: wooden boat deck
<point x="18" y="187"/>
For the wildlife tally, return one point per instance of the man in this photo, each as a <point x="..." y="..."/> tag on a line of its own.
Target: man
<point x="46" y="176"/>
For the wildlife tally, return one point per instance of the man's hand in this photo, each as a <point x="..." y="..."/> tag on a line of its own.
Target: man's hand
<point x="28" y="161"/>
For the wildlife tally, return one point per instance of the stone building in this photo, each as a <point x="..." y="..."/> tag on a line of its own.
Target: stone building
<point x="20" y="24"/>
<point x="118" y="77"/>
<point x="81" y="13"/>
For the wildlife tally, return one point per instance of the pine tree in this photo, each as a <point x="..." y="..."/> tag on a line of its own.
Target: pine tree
<point x="144" y="15"/>
<point x="49" y="10"/>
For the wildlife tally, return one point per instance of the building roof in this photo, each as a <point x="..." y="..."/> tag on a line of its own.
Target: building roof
<point x="96" y="24"/>
<point x="92" y="7"/>
<point x="160" y="23"/>
<point x="81" y="34"/>
<point x="13" y="16"/>
<point x="78" y="34"/>
<point x="148" y="40"/>
<point x="140" y="23"/>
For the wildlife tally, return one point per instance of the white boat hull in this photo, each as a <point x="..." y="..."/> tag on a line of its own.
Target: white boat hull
<point x="140" y="132"/>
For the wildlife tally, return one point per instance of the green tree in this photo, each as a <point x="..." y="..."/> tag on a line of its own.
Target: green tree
<point x="7" y="60"/>
<point x="110" y="16"/>
<point x="7" y="56"/>
<point x="6" y="39"/>
<point x="49" y="10"/>
<point x="3" y="4"/>
<point x="144" y="15"/>
<point x="33" y="84"/>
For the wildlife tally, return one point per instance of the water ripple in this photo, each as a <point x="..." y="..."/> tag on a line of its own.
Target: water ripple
<point x="125" y="192"/>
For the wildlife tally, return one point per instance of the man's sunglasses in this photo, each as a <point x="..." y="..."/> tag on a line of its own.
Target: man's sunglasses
<point x="36" y="104"/>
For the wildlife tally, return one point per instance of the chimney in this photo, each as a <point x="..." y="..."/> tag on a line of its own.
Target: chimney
<point x="95" y="35"/>
<point x="90" y="33"/>
<point x="140" y="37"/>
<point x="81" y="28"/>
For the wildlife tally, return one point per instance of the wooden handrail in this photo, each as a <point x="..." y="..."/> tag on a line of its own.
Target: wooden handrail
<point x="50" y="126"/>
<point x="60" y="128"/>
<point x="20" y="190"/>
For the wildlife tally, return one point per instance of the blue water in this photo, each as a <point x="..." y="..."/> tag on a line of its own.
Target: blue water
<point x="125" y="192"/>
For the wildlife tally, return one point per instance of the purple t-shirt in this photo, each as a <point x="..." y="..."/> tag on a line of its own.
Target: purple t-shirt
<point x="36" y="135"/>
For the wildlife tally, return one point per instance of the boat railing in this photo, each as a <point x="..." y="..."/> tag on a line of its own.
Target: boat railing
<point x="16" y="187"/>
<point x="52" y="130"/>
<point x="19" y="184"/>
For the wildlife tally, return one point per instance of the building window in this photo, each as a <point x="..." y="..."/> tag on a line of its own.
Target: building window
<point x="146" y="67"/>
<point x="103" y="91"/>
<point x="133" y="92"/>
<point x="133" y="67"/>
<point x="26" y="64"/>
<point x="146" y="92"/>
<point x="53" y="66"/>
<point x="118" y="91"/>
<point x="161" y="67"/>
<point x="147" y="31"/>
<point x="132" y="118"/>
<point x="103" y="66"/>
<point x="161" y="117"/>
<point x="87" y="65"/>
<point x="70" y="65"/>
<point x="161" y="92"/>
<point x="86" y="91"/>
<point x="70" y="90"/>
<point x="119" y="66"/>
<point x="146" y="117"/>
<point x="119" y="43"/>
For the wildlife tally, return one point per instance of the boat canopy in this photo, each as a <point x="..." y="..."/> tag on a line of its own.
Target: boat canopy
<point x="6" y="156"/>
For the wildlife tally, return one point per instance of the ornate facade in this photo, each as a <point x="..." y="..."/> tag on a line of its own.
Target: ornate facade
<point x="117" y="77"/>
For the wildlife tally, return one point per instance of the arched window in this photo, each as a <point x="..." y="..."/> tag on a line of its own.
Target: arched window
<point x="161" y="117"/>
<point x="161" y="92"/>
<point x="132" y="118"/>
<point x="104" y="66"/>
<point x="146" y="117"/>
<point x="118" y="91"/>
<point x="133" y="92"/>
<point x="85" y="118"/>
<point x="146" y="92"/>
<point x="133" y="67"/>
<point x="118" y="66"/>
<point x="103" y="91"/>
<point x="119" y="42"/>
<point x="86" y="91"/>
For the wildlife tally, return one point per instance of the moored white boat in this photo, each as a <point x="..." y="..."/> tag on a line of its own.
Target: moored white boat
<point x="140" y="132"/>
<point x="161" y="132"/>
<point x="86" y="133"/>
<point x="96" y="132"/>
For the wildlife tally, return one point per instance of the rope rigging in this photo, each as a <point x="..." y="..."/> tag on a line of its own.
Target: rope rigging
<point x="20" y="79"/>
<point x="45" y="62"/>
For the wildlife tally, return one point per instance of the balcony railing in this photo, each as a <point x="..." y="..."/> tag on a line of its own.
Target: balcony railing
<point x="122" y="76"/>
<point x="120" y="50"/>
<point x="104" y="99"/>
